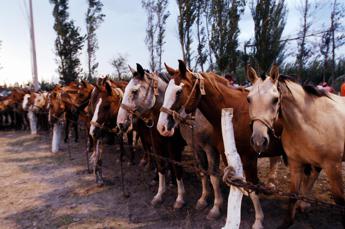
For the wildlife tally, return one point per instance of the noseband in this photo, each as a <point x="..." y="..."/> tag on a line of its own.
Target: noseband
<point x="199" y="79"/>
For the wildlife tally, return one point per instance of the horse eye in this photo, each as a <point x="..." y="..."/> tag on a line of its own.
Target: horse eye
<point x="275" y="100"/>
<point x="179" y="92"/>
<point x="134" y="92"/>
<point x="249" y="100"/>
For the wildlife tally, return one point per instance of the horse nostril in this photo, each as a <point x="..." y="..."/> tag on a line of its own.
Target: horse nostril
<point x="121" y="126"/>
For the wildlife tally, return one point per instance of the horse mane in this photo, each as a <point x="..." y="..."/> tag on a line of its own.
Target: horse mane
<point x="310" y="89"/>
<point x="164" y="76"/>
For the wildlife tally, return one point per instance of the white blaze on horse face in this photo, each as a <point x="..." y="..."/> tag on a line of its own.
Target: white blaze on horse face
<point x="122" y="116"/>
<point x="26" y="101"/>
<point x="95" y="116"/>
<point x="169" y="100"/>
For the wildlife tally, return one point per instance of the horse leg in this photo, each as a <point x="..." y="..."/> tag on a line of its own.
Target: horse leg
<point x="334" y="174"/>
<point x="250" y="167"/>
<point x="296" y="173"/>
<point x="177" y="171"/>
<point x="131" y="147"/>
<point x="272" y="175"/>
<point x="75" y="125"/>
<point x="310" y="176"/>
<point x="158" y="198"/>
<point x="97" y="161"/>
<point x="66" y="129"/>
<point x="202" y="162"/>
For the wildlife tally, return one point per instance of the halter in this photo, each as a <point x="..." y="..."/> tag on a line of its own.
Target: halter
<point x="176" y="115"/>
<point x="153" y="83"/>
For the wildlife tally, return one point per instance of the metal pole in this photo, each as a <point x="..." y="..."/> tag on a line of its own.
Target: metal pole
<point x="33" y="49"/>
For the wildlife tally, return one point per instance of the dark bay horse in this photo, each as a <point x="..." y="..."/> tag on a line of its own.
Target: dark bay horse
<point x="210" y="93"/>
<point x="313" y="130"/>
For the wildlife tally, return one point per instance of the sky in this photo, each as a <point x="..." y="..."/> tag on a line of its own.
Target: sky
<point x="123" y="31"/>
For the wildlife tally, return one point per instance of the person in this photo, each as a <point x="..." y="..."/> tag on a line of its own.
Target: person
<point x="342" y="89"/>
<point x="231" y="80"/>
<point x="326" y="87"/>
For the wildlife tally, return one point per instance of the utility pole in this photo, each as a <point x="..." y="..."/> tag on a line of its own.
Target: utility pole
<point x="33" y="49"/>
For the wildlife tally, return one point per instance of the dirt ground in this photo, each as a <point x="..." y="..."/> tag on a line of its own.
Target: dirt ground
<point x="40" y="189"/>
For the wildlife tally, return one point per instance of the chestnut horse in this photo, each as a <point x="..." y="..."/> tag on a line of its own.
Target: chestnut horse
<point x="210" y="93"/>
<point x="144" y="97"/>
<point x="313" y="129"/>
<point x="105" y="103"/>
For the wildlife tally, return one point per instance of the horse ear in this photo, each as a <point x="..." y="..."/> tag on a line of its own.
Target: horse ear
<point x="274" y="73"/>
<point x="140" y="70"/>
<point x="182" y="67"/>
<point x="170" y="70"/>
<point x="132" y="69"/>
<point x="251" y="74"/>
<point x="108" y="88"/>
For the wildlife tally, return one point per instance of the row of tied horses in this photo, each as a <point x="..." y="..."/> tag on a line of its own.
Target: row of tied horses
<point x="275" y="118"/>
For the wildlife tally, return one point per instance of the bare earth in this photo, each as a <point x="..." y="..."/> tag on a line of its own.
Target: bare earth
<point x="40" y="189"/>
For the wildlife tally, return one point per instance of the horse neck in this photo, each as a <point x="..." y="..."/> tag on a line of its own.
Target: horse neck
<point x="293" y="105"/>
<point x="162" y="85"/>
<point x="218" y="96"/>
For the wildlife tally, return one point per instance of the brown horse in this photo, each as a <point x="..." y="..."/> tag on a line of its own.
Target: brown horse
<point x="105" y="103"/>
<point x="313" y="129"/>
<point x="211" y="93"/>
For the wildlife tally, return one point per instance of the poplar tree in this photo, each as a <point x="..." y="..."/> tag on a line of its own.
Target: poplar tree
<point x="269" y="22"/>
<point x="68" y="42"/>
<point x="94" y="18"/>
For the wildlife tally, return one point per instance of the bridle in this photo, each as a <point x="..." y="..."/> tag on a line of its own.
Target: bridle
<point x="199" y="79"/>
<point x="148" y="120"/>
<point x="265" y="122"/>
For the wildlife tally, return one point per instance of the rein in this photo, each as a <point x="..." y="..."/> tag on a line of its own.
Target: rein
<point x="103" y="127"/>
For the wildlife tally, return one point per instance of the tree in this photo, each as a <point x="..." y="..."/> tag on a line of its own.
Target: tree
<point x="68" y="42"/>
<point x="201" y="35"/>
<point x="148" y="5"/>
<point x="337" y="34"/>
<point x="269" y="22"/>
<point x="304" y="50"/>
<point x="185" y="21"/>
<point x="94" y="18"/>
<point x="225" y="15"/>
<point x="120" y="65"/>
<point x="157" y="15"/>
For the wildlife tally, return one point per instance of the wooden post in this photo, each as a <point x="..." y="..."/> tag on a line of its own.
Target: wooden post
<point x="57" y="129"/>
<point x="233" y="218"/>
<point x="33" y="49"/>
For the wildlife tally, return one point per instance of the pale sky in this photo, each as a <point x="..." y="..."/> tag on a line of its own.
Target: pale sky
<point x="123" y="31"/>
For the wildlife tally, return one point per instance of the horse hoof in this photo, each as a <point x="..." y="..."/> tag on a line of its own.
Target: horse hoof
<point x="156" y="201"/>
<point x="179" y="204"/>
<point x="213" y="214"/>
<point x="142" y="163"/>
<point x="303" y="206"/>
<point x="201" y="205"/>
<point x="257" y="225"/>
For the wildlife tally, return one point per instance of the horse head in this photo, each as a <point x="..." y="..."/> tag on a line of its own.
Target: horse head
<point x="56" y="107"/>
<point x="107" y="97"/>
<point x="139" y="97"/>
<point x="264" y="103"/>
<point x="181" y="95"/>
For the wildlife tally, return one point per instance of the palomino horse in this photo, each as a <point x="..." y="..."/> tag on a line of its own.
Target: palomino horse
<point x="143" y="98"/>
<point x="211" y="93"/>
<point x="306" y="114"/>
<point x="105" y="102"/>
<point x="36" y="106"/>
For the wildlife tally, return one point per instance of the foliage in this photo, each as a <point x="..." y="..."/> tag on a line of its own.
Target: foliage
<point x="68" y="43"/>
<point x="120" y="65"/>
<point x="94" y="18"/>
<point x="157" y="15"/>
<point x="225" y="15"/>
<point x="269" y="21"/>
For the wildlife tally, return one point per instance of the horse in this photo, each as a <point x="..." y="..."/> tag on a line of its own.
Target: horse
<point x="143" y="97"/>
<point x="210" y="93"/>
<point x="35" y="104"/>
<point x="306" y="113"/>
<point x="105" y="103"/>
